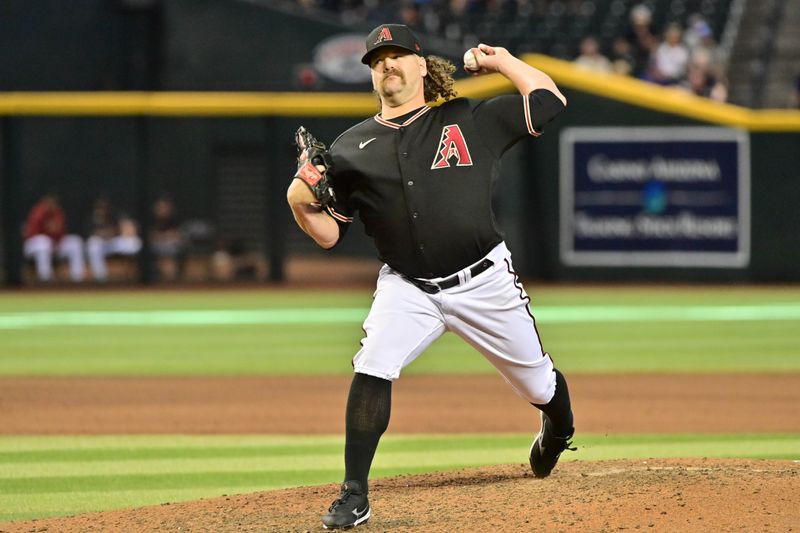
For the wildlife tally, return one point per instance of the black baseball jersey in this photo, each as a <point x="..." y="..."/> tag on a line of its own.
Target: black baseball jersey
<point x="422" y="183"/>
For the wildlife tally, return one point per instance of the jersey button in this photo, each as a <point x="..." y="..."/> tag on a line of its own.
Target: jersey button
<point x="410" y="183"/>
<point x="415" y="214"/>
<point x="421" y="247"/>
<point x="405" y="154"/>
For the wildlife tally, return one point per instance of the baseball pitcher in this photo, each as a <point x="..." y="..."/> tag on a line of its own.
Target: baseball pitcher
<point x="421" y="179"/>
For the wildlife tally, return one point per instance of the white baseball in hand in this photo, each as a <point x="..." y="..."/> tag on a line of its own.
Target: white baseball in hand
<point x="470" y="61"/>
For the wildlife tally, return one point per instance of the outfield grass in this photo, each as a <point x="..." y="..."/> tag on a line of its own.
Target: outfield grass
<point x="279" y="332"/>
<point x="691" y="329"/>
<point x="56" y="476"/>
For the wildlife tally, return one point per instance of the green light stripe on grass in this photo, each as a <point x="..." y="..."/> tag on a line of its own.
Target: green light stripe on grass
<point x="565" y="314"/>
<point x="666" y="313"/>
<point x="183" y="318"/>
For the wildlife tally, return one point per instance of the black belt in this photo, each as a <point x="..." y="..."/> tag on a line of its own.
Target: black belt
<point x="432" y="287"/>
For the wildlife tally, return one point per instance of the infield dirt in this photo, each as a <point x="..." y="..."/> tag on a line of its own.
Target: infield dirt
<point x="654" y="495"/>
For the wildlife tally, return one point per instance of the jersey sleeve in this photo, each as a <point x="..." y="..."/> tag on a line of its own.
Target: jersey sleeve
<point x="506" y="119"/>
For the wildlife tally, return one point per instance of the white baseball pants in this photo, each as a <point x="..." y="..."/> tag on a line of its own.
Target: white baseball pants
<point x="489" y="311"/>
<point x="41" y="249"/>
<point x="97" y="248"/>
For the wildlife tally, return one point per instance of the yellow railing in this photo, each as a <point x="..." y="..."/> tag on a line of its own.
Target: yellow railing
<point x="666" y="99"/>
<point x="611" y="86"/>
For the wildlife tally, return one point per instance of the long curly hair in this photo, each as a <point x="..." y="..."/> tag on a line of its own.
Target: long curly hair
<point x="439" y="81"/>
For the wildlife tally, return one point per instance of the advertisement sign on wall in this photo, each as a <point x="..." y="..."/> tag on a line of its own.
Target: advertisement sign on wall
<point x="655" y="196"/>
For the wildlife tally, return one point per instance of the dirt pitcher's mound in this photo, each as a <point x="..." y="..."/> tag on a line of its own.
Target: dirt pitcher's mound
<point x="653" y="495"/>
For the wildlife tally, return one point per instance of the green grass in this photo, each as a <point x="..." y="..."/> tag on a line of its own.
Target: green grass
<point x="599" y="329"/>
<point x="676" y="329"/>
<point x="55" y="476"/>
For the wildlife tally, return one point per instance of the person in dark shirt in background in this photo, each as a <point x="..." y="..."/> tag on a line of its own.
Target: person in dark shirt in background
<point x="166" y="240"/>
<point x="642" y="39"/>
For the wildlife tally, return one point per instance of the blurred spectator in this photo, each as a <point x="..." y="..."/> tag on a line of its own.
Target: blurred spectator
<point x="109" y="234"/>
<point x="591" y="58"/>
<point x="671" y="58"/>
<point x="795" y="95"/>
<point x="635" y="51"/>
<point x="704" y="79"/>
<point x="460" y="21"/>
<point x="222" y="267"/>
<point x="46" y="233"/>
<point x="641" y="38"/>
<point x="702" y="46"/>
<point x="697" y="31"/>
<point x="698" y="81"/>
<point x="166" y="241"/>
<point x="622" y="60"/>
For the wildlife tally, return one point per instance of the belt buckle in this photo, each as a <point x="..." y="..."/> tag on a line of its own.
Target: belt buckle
<point x="429" y="286"/>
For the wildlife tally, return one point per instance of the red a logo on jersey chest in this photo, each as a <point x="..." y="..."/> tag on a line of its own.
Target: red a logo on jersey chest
<point x="452" y="144"/>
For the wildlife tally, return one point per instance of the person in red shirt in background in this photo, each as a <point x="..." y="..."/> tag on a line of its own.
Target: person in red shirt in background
<point x="46" y="234"/>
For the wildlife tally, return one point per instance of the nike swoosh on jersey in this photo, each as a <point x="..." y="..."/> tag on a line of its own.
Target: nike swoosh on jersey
<point x="362" y="145"/>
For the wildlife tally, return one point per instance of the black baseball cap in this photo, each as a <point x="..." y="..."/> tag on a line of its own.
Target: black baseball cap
<point x="398" y="35"/>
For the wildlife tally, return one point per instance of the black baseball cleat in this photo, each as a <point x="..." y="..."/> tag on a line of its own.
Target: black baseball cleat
<point x="547" y="448"/>
<point x="350" y="509"/>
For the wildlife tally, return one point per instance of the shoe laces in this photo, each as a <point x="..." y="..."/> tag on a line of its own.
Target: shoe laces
<point x="343" y="497"/>
<point x="561" y="443"/>
<point x="565" y="443"/>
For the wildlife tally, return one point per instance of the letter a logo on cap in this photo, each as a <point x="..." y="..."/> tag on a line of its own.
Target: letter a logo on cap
<point x="384" y="35"/>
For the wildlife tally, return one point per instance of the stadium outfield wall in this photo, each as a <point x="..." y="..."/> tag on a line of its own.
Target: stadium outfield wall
<point x="731" y="172"/>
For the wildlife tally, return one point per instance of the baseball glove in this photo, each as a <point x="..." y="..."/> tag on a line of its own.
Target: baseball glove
<point x="312" y="154"/>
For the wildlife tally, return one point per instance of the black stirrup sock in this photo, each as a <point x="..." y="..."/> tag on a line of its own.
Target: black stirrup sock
<point x="559" y="408"/>
<point x="368" y="408"/>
